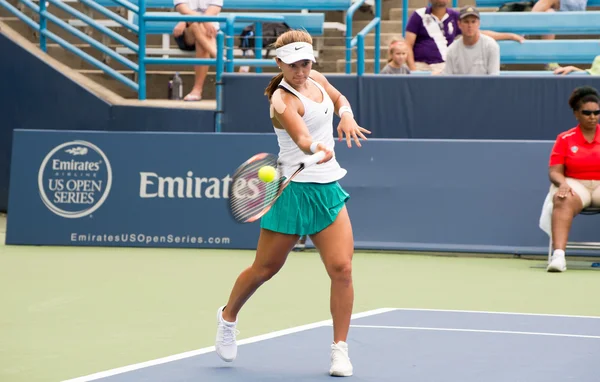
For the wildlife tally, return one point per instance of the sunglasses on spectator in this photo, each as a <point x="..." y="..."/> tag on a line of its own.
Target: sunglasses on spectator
<point x="590" y="112"/>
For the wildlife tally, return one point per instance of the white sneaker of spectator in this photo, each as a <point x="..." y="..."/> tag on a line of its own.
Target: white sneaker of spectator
<point x="225" y="344"/>
<point x="557" y="261"/>
<point x="340" y="361"/>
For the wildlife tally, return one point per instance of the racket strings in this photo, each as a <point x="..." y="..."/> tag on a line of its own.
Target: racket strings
<point x="249" y="196"/>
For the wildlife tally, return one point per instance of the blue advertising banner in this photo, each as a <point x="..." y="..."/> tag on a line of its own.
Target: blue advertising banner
<point x="127" y="189"/>
<point x="150" y="189"/>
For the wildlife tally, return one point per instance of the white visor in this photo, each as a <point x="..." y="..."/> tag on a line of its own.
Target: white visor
<point x="296" y="51"/>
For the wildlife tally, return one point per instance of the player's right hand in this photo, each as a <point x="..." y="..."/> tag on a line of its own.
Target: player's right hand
<point x="328" y="153"/>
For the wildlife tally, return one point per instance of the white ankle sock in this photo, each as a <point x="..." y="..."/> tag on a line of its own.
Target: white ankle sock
<point x="558" y="252"/>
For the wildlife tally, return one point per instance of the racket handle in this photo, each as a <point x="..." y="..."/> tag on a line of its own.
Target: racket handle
<point x="314" y="158"/>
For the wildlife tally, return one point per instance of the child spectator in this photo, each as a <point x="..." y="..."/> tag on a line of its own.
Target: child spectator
<point x="397" y="56"/>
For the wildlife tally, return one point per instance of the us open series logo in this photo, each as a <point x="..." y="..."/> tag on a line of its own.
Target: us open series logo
<point x="74" y="179"/>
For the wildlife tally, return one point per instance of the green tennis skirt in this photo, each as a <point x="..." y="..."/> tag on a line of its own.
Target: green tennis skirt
<point x="305" y="208"/>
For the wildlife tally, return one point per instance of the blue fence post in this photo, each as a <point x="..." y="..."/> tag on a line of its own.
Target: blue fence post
<point x="377" y="36"/>
<point x="258" y="43"/>
<point x="360" y="54"/>
<point x="405" y="16"/>
<point x="43" y="25"/>
<point x="142" y="51"/>
<point x="348" y="45"/>
<point x="230" y="34"/>
<point x="219" y="81"/>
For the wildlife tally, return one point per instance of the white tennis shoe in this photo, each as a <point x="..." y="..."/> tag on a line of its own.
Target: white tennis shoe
<point x="557" y="262"/>
<point x="226" y="345"/>
<point x="340" y="361"/>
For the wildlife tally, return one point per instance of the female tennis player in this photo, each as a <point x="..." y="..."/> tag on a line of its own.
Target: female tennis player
<point x="302" y="103"/>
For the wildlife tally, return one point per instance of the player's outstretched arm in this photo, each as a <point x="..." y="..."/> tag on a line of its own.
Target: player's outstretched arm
<point x="347" y="125"/>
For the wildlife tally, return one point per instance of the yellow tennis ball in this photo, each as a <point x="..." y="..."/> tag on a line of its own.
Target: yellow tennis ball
<point x="267" y="174"/>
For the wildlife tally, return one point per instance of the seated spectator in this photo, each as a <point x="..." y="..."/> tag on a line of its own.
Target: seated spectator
<point x="475" y="53"/>
<point x="594" y="70"/>
<point x="200" y="37"/>
<point x="558" y="5"/>
<point x="574" y="171"/>
<point x="397" y="55"/>
<point x="431" y="30"/>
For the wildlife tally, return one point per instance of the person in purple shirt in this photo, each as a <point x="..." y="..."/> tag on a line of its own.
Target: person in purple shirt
<point x="431" y="30"/>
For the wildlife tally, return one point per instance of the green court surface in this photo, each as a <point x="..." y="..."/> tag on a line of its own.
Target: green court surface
<point x="68" y="312"/>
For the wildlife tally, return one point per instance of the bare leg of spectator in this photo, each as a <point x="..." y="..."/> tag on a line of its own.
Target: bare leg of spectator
<point x="201" y="72"/>
<point x="207" y="43"/>
<point x="563" y="212"/>
<point x="191" y="37"/>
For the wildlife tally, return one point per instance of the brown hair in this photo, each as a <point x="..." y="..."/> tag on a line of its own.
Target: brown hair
<point x="293" y="35"/>
<point x="393" y="43"/>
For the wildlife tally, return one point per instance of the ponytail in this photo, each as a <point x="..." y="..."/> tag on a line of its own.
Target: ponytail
<point x="273" y="85"/>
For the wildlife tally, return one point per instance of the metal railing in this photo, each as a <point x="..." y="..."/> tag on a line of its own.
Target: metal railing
<point x="358" y="41"/>
<point x="224" y="60"/>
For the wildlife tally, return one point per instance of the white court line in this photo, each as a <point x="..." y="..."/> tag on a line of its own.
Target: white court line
<point x="474" y="331"/>
<point x="491" y="312"/>
<point x="176" y="357"/>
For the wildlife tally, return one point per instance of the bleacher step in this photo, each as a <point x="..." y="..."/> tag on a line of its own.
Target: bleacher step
<point x="340" y="17"/>
<point x="339" y="52"/>
<point x="385" y="39"/>
<point x="156" y="83"/>
<point x="51" y="8"/>
<point x="4" y="13"/>
<point x="33" y="36"/>
<point x="369" y="65"/>
<point x="76" y="62"/>
<point x="387" y="26"/>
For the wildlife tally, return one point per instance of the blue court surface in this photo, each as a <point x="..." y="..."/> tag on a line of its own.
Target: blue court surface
<point x="400" y="345"/>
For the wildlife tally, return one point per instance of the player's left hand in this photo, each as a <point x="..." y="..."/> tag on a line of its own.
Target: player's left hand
<point x="351" y="130"/>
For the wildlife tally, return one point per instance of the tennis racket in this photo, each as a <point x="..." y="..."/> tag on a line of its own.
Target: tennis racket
<point x="249" y="197"/>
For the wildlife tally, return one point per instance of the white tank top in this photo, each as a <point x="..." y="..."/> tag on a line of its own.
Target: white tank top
<point x="318" y="118"/>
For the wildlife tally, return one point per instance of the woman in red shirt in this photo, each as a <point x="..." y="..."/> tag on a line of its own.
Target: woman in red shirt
<point x="575" y="170"/>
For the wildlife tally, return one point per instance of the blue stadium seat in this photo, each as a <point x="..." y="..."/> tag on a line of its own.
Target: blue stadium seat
<point x="260" y="5"/>
<point x="540" y="23"/>
<point x="312" y="22"/>
<point x="499" y="3"/>
<point x="545" y="51"/>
